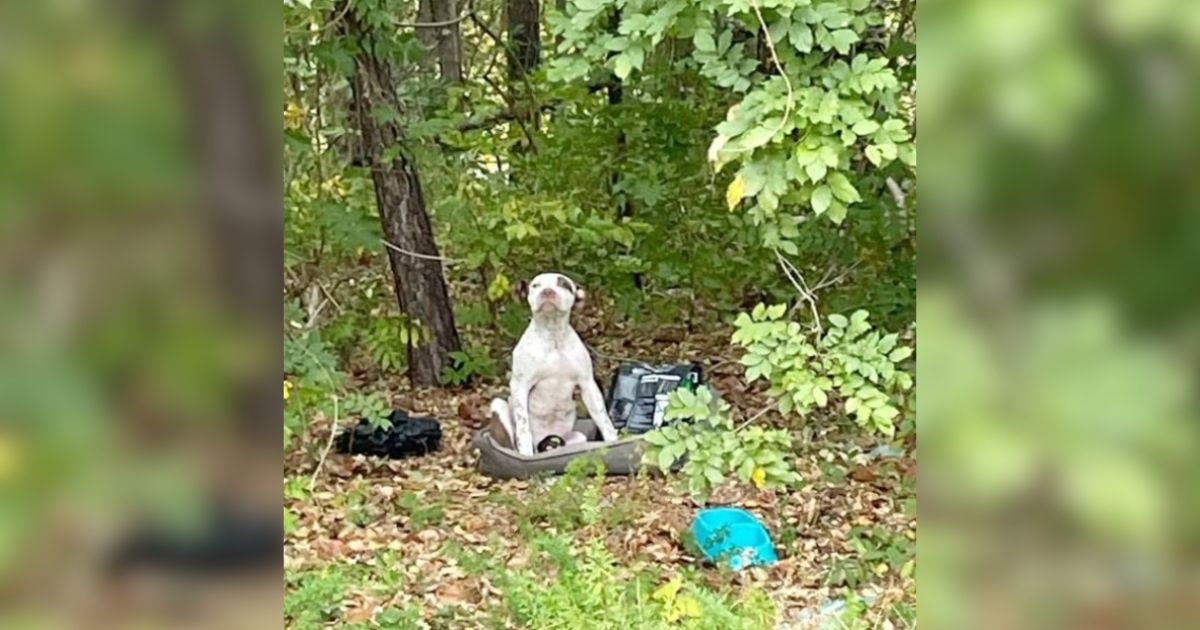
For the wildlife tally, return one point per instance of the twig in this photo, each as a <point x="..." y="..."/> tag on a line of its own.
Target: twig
<point x="450" y="22"/>
<point x="329" y="295"/>
<point x="312" y="483"/>
<point x="756" y="416"/>
<point x="441" y="259"/>
<point x="806" y="294"/>
<point x="791" y="92"/>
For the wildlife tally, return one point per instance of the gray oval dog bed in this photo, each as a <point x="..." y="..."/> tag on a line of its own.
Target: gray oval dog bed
<point x="622" y="457"/>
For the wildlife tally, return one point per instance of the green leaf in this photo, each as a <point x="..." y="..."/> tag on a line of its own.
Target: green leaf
<point x="886" y="412"/>
<point x="842" y="188"/>
<point x="839" y="320"/>
<point x="622" y="66"/>
<point x="746" y="469"/>
<point x="816" y="171"/>
<point x="665" y="459"/>
<point x="865" y="127"/>
<point x="821" y="199"/>
<point x="760" y="135"/>
<point x="714" y="476"/>
<point x="776" y="311"/>
<point x="875" y="155"/>
<point x="655" y="437"/>
<point x="900" y="354"/>
<point x="837" y="212"/>
<point x="843" y="39"/>
<point x="801" y="36"/>
<point x="703" y="41"/>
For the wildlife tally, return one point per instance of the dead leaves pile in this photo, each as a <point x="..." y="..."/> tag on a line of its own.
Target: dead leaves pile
<point x="406" y="523"/>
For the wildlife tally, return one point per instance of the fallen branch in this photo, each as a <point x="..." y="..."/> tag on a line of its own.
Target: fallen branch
<point x="441" y="259"/>
<point x="333" y="427"/>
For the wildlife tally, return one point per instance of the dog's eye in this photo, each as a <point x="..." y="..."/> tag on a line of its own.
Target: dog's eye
<point x="564" y="283"/>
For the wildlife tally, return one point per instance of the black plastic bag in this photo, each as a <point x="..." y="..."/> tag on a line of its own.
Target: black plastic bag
<point x="409" y="436"/>
<point x="637" y="399"/>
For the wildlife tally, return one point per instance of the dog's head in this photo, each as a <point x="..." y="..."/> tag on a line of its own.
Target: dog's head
<point x="553" y="293"/>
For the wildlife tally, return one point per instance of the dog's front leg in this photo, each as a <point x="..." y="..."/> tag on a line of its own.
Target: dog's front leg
<point x="593" y="400"/>
<point x="523" y="440"/>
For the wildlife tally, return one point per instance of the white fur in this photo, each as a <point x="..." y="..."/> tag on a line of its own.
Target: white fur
<point x="549" y="363"/>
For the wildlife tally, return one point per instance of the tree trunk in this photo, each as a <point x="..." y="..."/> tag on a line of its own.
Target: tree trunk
<point x="427" y="35"/>
<point x="523" y="23"/>
<point x="449" y="43"/>
<point x="616" y="94"/>
<point x="419" y="281"/>
<point x="523" y="52"/>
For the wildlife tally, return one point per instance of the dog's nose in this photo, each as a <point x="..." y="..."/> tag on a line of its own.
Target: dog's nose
<point x="549" y="293"/>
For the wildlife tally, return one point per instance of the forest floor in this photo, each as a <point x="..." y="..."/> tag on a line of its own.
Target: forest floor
<point x="429" y="542"/>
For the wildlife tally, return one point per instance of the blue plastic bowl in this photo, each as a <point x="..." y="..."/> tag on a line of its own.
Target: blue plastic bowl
<point x="733" y="534"/>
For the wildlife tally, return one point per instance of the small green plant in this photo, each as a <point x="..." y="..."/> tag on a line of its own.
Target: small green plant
<point x="313" y="599"/>
<point x="703" y="435"/>
<point x="420" y="512"/>
<point x="468" y="364"/>
<point x="876" y="553"/>
<point x="359" y="510"/>
<point x="386" y="340"/>
<point x="566" y="502"/>
<point x="372" y="406"/>
<point x="580" y="585"/>
<point x="848" y="365"/>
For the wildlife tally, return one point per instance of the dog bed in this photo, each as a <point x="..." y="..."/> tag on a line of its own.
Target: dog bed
<point x="622" y="457"/>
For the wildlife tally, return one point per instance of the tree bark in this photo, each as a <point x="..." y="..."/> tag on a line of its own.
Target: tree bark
<point x="419" y="280"/>
<point x="449" y="42"/>
<point x="427" y="35"/>
<point x="616" y="94"/>
<point x="523" y="23"/>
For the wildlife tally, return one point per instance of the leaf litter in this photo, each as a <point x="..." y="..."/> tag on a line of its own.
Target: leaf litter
<point x="410" y="520"/>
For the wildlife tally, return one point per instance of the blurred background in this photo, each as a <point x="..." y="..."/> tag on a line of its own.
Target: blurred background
<point x="1058" y="309"/>
<point x="140" y="244"/>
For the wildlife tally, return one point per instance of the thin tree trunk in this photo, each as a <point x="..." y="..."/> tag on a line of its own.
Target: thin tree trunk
<point x="419" y="281"/>
<point x="449" y="43"/>
<point x="523" y="52"/>
<point x="427" y="35"/>
<point x="616" y="94"/>
<point x="523" y="21"/>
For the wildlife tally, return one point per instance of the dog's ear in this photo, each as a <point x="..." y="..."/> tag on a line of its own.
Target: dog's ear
<point x="580" y="296"/>
<point x="520" y="289"/>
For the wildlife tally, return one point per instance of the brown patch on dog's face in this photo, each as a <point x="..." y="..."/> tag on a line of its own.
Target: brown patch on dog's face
<point x="566" y="283"/>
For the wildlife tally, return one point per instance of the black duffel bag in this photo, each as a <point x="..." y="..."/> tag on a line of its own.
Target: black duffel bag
<point x="407" y="436"/>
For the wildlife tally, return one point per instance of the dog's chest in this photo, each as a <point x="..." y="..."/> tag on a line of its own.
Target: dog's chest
<point x="538" y="357"/>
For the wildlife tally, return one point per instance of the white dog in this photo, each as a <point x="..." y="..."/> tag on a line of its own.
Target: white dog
<point x="549" y="362"/>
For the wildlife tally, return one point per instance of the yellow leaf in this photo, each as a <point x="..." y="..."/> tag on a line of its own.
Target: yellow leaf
<point x="759" y="477"/>
<point x="881" y="568"/>
<point x="688" y="607"/>
<point x="287" y="390"/>
<point x="667" y="591"/>
<point x="498" y="288"/>
<point x="733" y="194"/>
